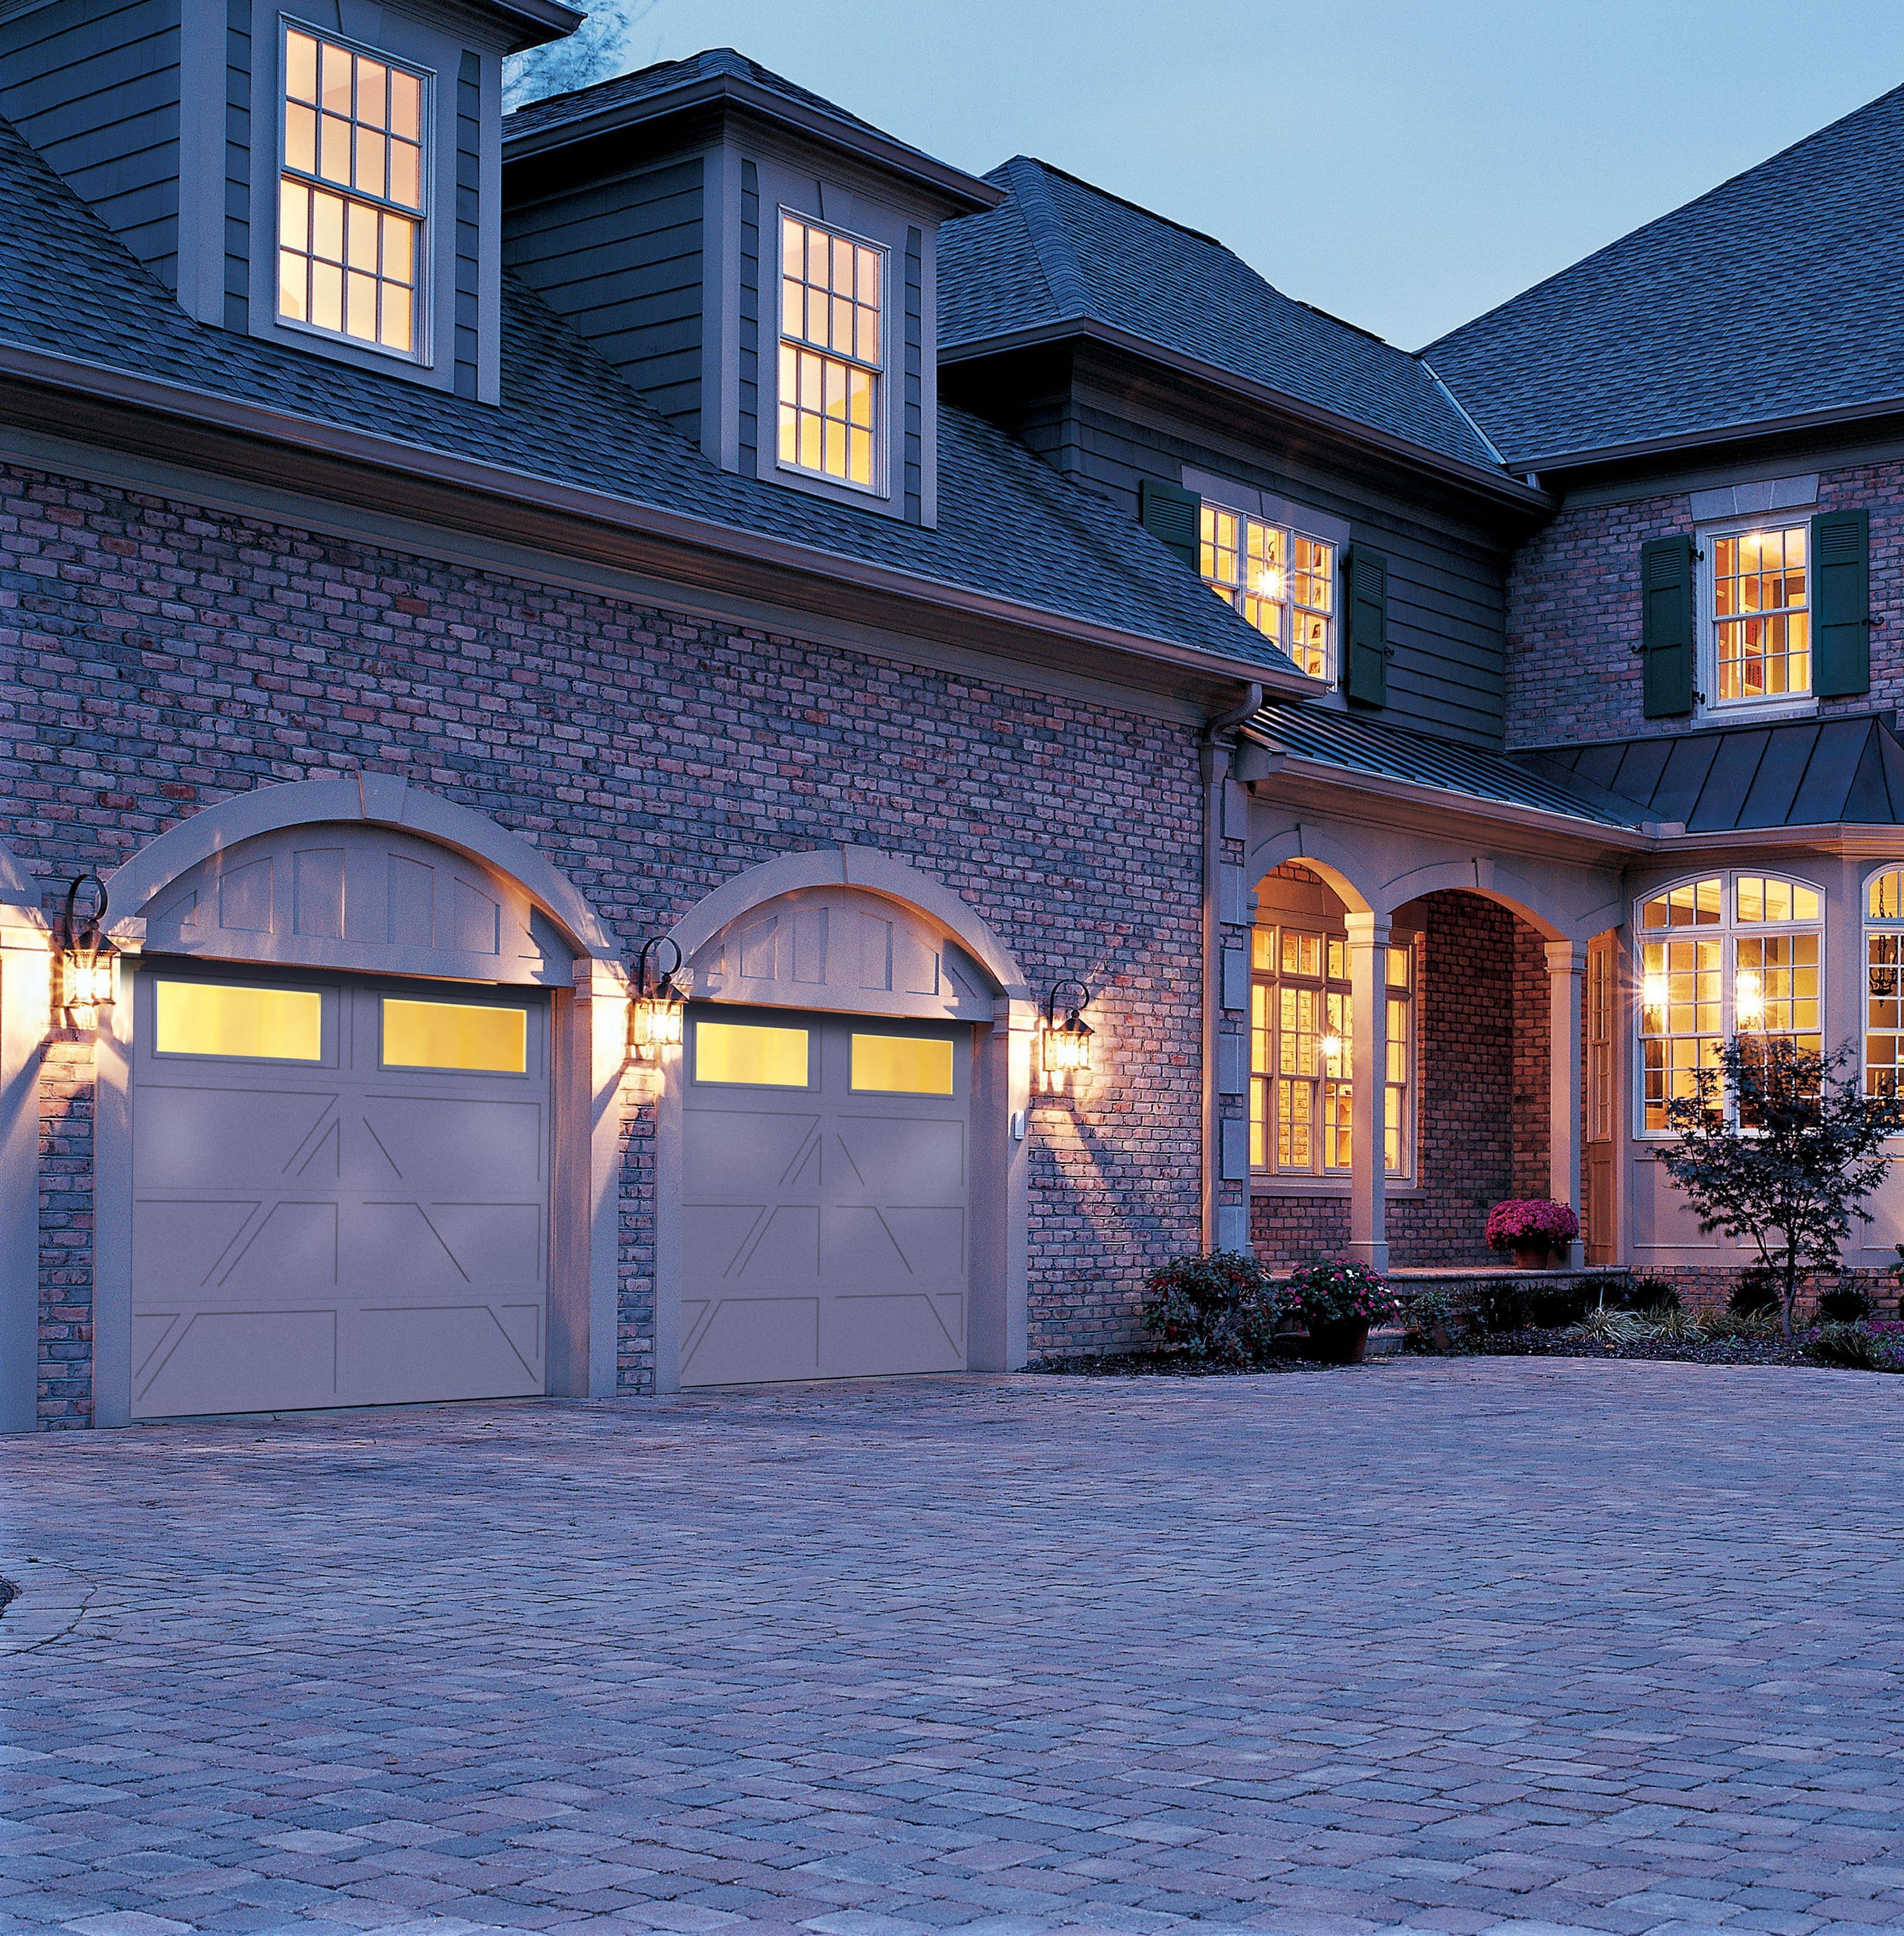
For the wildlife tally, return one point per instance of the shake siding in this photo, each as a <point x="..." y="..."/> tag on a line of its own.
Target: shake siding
<point x="620" y="261"/>
<point x="238" y="164"/>
<point x="469" y="205"/>
<point x="94" y="86"/>
<point x="749" y="319"/>
<point x="915" y="352"/>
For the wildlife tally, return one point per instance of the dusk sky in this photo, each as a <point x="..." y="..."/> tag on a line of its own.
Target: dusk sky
<point x="1405" y="166"/>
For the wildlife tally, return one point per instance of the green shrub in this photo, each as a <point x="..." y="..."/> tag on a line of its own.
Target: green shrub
<point x="1649" y="1294"/>
<point x="1756" y="1290"/>
<point x="1222" y="1307"/>
<point x="1854" y="1348"/>
<point x="1738" y="1324"/>
<point x="1846" y="1305"/>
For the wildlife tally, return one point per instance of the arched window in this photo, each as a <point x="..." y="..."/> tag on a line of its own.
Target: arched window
<point x="1884" y="963"/>
<point x="1722" y="955"/>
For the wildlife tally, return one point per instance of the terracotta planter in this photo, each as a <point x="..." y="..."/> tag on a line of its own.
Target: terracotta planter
<point x="1344" y="1342"/>
<point x="1535" y="1255"/>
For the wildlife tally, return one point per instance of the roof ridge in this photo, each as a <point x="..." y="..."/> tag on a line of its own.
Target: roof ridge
<point x="1137" y="207"/>
<point x="1050" y="242"/>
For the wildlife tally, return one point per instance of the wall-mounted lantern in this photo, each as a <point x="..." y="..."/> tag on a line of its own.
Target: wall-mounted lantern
<point x="85" y="958"/>
<point x="1066" y="1045"/>
<point x="654" y="1014"/>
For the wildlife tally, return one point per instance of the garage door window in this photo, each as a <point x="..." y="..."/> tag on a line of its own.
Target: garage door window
<point x="462" y="1036"/>
<point x="902" y="1065"/>
<point x="222" y="1018"/>
<point x="768" y="1058"/>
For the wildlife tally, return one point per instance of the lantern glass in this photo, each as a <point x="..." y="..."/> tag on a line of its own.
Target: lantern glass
<point x="86" y="981"/>
<point x="1067" y="1047"/>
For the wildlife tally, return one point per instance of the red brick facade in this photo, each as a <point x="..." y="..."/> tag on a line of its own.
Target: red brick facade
<point x="157" y="658"/>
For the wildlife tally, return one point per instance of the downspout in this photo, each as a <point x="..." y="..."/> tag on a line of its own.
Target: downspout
<point x="1214" y="756"/>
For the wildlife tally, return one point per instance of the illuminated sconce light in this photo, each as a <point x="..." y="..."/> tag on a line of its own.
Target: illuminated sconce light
<point x="1749" y="999"/>
<point x="85" y="959"/>
<point x="654" y="1014"/>
<point x="1066" y="1044"/>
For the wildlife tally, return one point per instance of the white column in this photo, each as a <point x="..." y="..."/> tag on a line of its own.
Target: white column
<point x="1566" y="967"/>
<point x="1368" y="981"/>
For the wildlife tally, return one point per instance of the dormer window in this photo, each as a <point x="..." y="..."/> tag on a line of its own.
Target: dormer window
<point x="351" y="194"/>
<point x="832" y="342"/>
<point x="1282" y="581"/>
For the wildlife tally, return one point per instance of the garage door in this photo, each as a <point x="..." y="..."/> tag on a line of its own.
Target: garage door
<point x="341" y="1192"/>
<point x="824" y="1197"/>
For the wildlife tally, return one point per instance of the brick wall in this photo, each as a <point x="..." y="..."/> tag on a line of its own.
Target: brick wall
<point x="155" y="657"/>
<point x="1573" y="621"/>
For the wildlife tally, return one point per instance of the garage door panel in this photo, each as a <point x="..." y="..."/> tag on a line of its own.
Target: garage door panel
<point x="930" y="1237"/>
<point x="395" y="1246"/>
<point x="731" y="1150"/>
<point x="788" y="1248"/>
<point x="716" y="1237"/>
<point x="244" y="1361"/>
<point x="292" y="1248"/>
<point x="896" y="1155"/>
<point x="178" y="1244"/>
<point x="749" y="1340"/>
<point x="482" y="1144"/>
<point x="495" y="1245"/>
<point x="402" y="1354"/>
<point x="883" y="1335"/>
<point x="186" y="1133"/>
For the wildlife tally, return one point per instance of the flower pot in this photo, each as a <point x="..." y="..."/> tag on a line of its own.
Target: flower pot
<point x="1344" y="1342"/>
<point x="1534" y="1253"/>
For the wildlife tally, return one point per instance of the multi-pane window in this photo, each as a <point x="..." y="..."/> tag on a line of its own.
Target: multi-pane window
<point x="1728" y="954"/>
<point x="1301" y="1055"/>
<point x="350" y="197"/>
<point x="1884" y="1000"/>
<point x="1599" y="1045"/>
<point x="1281" y="582"/>
<point x="832" y="334"/>
<point x="1761" y="625"/>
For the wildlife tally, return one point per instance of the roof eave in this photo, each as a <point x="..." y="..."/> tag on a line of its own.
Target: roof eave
<point x="965" y="194"/>
<point x="1542" y="463"/>
<point x="539" y="22"/>
<point x="722" y="544"/>
<point x="1495" y="484"/>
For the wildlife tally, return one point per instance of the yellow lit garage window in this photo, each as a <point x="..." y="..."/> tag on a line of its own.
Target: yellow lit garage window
<point x="903" y="1065"/>
<point x="221" y="1018"/>
<point x="455" y="1035"/>
<point x="773" y="1058"/>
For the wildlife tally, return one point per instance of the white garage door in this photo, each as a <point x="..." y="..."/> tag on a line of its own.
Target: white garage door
<point x="824" y="1197"/>
<point x="341" y="1192"/>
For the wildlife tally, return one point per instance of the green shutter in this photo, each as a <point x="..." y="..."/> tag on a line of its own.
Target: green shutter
<point x="1365" y="606"/>
<point x="1665" y="591"/>
<point x="1841" y="603"/>
<point x="1173" y="516"/>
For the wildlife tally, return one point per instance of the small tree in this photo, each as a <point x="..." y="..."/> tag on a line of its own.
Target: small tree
<point x="1803" y="1148"/>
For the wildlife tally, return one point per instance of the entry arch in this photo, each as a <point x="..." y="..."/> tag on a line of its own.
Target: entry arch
<point x="849" y="931"/>
<point x="1334" y="861"/>
<point x="368" y="875"/>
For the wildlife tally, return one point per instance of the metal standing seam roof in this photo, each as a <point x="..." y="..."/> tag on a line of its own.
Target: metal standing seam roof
<point x="1682" y="327"/>
<point x="1059" y="250"/>
<point x="1009" y="527"/>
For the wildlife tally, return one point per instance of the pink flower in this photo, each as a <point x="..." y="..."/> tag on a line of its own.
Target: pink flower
<point x="1531" y="1219"/>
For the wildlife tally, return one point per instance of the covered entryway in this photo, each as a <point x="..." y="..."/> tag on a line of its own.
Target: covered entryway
<point x="340" y="1190"/>
<point x="825" y="1196"/>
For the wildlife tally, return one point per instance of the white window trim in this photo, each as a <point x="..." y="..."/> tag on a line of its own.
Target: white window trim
<point x="1727" y="931"/>
<point x="1869" y="924"/>
<point x="422" y="354"/>
<point x="1331" y="673"/>
<point x="1785" y="706"/>
<point x="882" y="485"/>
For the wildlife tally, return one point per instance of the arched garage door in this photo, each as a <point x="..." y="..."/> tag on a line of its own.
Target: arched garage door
<point x="825" y="1196"/>
<point x="340" y="1191"/>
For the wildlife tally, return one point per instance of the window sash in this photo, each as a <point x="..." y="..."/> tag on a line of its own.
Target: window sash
<point x="1281" y="580"/>
<point x="833" y="334"/>
<point x="1757" y="614"/>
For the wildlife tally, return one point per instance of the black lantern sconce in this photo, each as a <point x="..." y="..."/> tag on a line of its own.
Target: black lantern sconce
<point x="85" y="958"/>
<point x="654" y="1014"/>
<point x="1066" y="1045"/>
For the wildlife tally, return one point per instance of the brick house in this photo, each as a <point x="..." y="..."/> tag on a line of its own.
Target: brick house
<point x="632" y="680"/>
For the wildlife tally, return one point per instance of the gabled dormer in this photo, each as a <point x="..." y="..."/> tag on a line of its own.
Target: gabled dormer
<point x="323" y="172"/>
<point x="759" y="264"/>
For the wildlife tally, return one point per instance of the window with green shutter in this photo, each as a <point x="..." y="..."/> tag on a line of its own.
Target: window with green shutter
<point x="1365" y="613"/>
<point x="1841" y="580"/>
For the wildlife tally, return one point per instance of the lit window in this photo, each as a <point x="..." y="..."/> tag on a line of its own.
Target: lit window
<point x="1755" y="975"/>
<point x="1302" y="1050"/>
<point x="223" y="1018"/>
<point x="1281" y="582"/>
<point x="466" y="1036"/>
<point x="832" y="345"/>
<point x="1884" y="1000"/>
<point x="350" y="198"/>
<point x="769" y="1058"/>
<point x="1761" y="625"/>
<point x="900" y="1065"/>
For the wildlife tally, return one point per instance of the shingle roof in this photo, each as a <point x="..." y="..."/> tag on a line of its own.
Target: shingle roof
<point x="1801" y="772"/>
<point x="1357" y="745"/>
<point x="1059" y="250"/>
<point x="1009" y="527"/>
<point x="1774" y="295"/>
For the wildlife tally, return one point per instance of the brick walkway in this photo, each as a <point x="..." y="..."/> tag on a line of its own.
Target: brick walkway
<point x="1460" y="1648"/>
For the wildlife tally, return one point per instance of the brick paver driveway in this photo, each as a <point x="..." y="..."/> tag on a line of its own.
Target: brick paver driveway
<point x="1445" y="1646"/>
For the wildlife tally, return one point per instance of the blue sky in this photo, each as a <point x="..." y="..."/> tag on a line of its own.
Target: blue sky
<point x="1405" y="166"/>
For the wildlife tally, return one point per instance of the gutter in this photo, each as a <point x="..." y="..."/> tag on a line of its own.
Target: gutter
<point x="717" y="543"/>
<point x="1508" y="490"/>
<point x="1541" y="462"/>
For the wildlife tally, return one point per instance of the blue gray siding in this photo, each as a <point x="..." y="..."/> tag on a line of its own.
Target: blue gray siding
<point x="94" y="86"/>
<point x="749" y="319"/>
<point x="469" y="215"/>
<point x="914" y="374"/>
<point x="238" y="164"/>
<point x="620" y="261"/>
